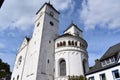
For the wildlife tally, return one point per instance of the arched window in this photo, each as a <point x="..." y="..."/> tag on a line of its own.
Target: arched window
<point x="80" y="45"/>
<point x="62" y="65"/>
<point x="19" y="60"/>
<point x="85" y="64"/>
<point x="51" y="14"/>
<point x="18" y="77"/>
<point x="73" y="43"/>
<point x="64" y="43"/>
<point x="60" y="43"/>
<point x="69" y="43"/>
<point x="76" y="43"/>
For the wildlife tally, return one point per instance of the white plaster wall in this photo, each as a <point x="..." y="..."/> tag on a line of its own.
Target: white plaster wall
<point x="108" y="73"/>
<point x="41" y="48"/>
<point x="18" y="69"/>
<point x="73" y="57"/>
<point x="47" y="49"/>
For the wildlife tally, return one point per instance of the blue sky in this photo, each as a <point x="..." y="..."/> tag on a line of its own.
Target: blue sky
<point x="99" y="20"/>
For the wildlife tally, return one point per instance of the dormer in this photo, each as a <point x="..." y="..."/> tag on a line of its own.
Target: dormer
<point x="24" y="43"/>
<point x="73" y="30"/>
<point x="111" y="56"/>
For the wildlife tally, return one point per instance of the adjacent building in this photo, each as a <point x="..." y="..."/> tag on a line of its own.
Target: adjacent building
<point x="108" y="66"/>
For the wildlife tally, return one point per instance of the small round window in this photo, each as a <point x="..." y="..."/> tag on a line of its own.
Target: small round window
<point x="38" y="24"/>
<point x="51" y="23"/>
<point x="19" y="61"/>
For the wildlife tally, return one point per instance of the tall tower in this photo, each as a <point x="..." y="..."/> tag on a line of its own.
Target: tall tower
<point x="71" y="57"/>
<point x="46" y="30"/>
<point x="41" y="48"/>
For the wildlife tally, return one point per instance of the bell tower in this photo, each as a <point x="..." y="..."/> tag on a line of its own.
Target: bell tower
<point x="40" y="55"/>
<point x="46" y="30"/>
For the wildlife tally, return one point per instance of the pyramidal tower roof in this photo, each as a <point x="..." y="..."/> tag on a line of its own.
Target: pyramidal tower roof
<point x="73" y="25"/>
<point x="48" y="4"/>
<point x="73" y="30"/>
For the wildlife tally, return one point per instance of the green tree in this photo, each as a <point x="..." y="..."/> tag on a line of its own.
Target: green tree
<point x="4" y="69"/>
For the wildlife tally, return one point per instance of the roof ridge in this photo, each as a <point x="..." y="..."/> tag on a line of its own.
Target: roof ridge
<point x="72" y="24"/>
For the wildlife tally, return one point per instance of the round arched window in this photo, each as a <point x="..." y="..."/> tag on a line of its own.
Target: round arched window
<point x="51" y="23"/>
<point x="62" y="65"/>
<point x="18" y="77"/>
<point x="19" y="61"/>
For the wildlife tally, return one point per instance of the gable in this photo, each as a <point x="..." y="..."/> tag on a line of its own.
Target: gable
<point x="24" y="43"/>
<point x="73" y="30"/>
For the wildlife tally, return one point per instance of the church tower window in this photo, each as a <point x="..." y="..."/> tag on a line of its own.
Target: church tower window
<point x="60" y="43"/>
<point x="62" y="67"/>
<point x="18" y="77"/>
<point x="51" y="23"/>
<point x="76" y="43"/>
<point x="38" y="24"/>
<point x="64" y="43"/>
<point x="73" y="43"/>
<point x="51" y="14"/>
<point x="69" y="42"/>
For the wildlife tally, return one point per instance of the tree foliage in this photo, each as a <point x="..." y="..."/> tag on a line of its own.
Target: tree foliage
<point x="4" y="69"/>
<point x="81" y="77"/>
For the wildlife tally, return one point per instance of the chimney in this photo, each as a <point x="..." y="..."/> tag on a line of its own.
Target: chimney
<point x="96" y="61"/>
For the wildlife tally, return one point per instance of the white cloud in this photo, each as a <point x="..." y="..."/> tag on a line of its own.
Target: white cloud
<point x="104" y="13"/>
<point x="2" y="45"/>
<point x="21" y="14"/>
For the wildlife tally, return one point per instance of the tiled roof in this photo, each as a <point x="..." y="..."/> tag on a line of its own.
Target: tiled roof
<point x="98" y="67"/>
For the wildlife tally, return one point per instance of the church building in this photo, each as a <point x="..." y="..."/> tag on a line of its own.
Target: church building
<point x="50" y="56"/>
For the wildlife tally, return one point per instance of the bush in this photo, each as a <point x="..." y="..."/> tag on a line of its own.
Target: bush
<point x="81" y="77"/>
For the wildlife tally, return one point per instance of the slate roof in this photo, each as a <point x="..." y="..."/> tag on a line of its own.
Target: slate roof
<point x="50" y="5"/>
<point x="112" y="51"/>
<point x="98" y="67"/>
<point x="72" y="24"/>
<point x="28" y="39"/>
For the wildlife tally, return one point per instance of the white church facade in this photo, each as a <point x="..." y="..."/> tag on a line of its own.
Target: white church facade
<point x="50" y="56"/>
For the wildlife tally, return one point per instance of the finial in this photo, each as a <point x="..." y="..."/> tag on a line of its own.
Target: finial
<point x="49" y="2"/>
<point x="72" y="22"/>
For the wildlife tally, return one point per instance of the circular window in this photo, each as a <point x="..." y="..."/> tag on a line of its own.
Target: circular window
<point x="19" y="61"/>
<point x="51" y="23"/>
<point x="38" y="24"/>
